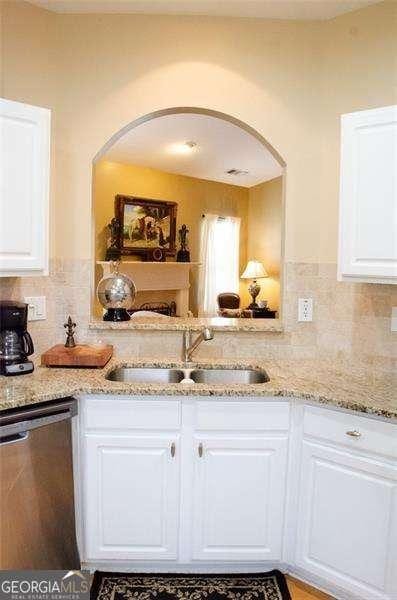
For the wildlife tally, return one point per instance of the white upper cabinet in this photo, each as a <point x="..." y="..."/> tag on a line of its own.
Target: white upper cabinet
<point x="24" y="188"/>
<point x="368" y="196"/>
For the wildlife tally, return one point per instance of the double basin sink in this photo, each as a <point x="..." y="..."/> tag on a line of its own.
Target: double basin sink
<point x="187" y="375"/>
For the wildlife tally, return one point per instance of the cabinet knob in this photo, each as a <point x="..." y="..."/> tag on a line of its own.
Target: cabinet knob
<point x="353" y="433"/>
<point x="200" y="450"/>
<point x="172" y="449"/>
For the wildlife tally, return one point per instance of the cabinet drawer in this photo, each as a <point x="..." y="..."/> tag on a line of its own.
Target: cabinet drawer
<point x="127" y="413"/>
<point x="367" y="434"/>
<point x="224" y="415"/>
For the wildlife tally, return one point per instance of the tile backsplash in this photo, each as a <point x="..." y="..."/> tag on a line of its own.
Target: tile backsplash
<point x="351" y="321"/>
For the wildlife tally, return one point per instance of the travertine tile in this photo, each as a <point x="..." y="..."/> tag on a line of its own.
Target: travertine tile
<point x="351" y="320"/>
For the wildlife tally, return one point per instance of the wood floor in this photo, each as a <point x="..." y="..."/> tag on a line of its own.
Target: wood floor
<point x="302" y="591"/>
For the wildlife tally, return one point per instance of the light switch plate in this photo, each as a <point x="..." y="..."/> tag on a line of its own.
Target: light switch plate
<point x="36" y="307"/>
<point x="305" y="309"/>
<point x="394" y="318"/>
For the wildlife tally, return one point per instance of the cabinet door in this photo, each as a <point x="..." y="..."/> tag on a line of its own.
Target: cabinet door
<point x="239" y="498"/>
<point x="131" y="497"/>
<point x="368" y="196"/>
<point x="347" y="521"/>
<point x="24" y="179"/>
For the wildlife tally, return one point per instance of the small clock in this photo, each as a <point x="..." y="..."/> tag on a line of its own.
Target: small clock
<point x="155" y="255"/>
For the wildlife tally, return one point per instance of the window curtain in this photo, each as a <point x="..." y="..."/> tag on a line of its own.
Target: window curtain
<point x="219" y="258"/>
<point x="207" y="287"/>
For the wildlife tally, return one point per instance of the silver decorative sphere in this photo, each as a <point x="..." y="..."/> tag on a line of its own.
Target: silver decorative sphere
<point x="116" y="291"/>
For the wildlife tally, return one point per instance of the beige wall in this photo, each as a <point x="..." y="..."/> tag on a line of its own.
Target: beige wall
<point x="264" y="239"/>
<point x="29" y="70"/>
<point x="360" y="72"/>
<point x="289" y="80"/>
<point x="194" y="197"/>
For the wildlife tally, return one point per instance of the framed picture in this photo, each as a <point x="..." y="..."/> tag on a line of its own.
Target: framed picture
<point x="145" y="224"/>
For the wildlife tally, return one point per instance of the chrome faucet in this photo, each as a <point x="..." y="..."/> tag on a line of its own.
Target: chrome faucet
<point x="190" y="346"/>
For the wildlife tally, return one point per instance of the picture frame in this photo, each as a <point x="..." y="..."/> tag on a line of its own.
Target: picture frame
<point x="145" y="224"/>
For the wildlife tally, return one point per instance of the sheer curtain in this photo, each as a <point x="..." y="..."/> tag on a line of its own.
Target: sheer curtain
<point x="219" y="258"/>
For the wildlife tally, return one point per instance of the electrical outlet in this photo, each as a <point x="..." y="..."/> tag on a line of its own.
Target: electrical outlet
<point x="394" y="319"/>
<point x="305" y="309"/>
<point x="36" y="308"/>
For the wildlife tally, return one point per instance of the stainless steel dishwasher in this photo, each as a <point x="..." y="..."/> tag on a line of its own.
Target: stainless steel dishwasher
<point x="37" y="524"/>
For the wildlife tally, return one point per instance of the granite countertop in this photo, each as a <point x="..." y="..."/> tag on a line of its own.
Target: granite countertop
<point x="165" y="323"/>
<point x="320" y="382"/>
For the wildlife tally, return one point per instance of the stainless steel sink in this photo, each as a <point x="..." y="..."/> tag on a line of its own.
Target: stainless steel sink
<point x="231" y="376"/>
<point x="146" y="375"/>
<point x="170" y="375"/>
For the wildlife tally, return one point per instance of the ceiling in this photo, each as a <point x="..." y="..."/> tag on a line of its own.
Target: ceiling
<point x="269" y="9"/>
<point x="220" y="146"/>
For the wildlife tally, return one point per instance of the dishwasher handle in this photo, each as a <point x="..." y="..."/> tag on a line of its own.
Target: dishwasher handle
<point x="14" y="438"/>
<point x="20" y="422"/>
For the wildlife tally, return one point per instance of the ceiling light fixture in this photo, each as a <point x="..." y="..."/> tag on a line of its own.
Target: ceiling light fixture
<point x="183" y="147"/>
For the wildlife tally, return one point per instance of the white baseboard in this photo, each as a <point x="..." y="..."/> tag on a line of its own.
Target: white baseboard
<point x="124" y="566"/>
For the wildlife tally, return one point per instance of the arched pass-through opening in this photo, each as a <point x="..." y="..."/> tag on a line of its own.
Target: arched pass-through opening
<point x="269" y="150"/>
<point x="189" y="110"/>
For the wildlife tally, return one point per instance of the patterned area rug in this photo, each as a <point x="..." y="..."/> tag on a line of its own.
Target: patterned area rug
<point x="244" y="586"/>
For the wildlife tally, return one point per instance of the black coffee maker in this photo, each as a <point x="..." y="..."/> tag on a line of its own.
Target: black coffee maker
<point x="15" y="342"/>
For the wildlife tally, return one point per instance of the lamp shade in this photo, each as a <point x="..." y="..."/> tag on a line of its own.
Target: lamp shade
<point x="254" y="270"/>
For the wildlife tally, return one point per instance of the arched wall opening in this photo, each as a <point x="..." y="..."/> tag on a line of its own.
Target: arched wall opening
<point x="194" y="322"/>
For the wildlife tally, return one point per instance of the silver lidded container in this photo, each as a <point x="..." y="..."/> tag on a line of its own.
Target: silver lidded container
<point x="116" y="292"/>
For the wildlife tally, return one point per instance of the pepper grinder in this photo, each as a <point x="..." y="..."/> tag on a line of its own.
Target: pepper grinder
<point x="70" y="327"/>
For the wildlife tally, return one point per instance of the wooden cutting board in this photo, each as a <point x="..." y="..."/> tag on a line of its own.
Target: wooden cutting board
<point x="82" y="355"/>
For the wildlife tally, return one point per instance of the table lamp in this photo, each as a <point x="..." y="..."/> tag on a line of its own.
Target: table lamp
<point x="254" y="270"/>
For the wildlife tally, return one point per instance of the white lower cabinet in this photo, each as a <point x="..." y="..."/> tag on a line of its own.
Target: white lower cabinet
<point x="347" y="521"/>
<point x="198" y="482"/>
<point x="131" y="497"/>
<point x="239" y="498"/>
<point x="233" y="480"/>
